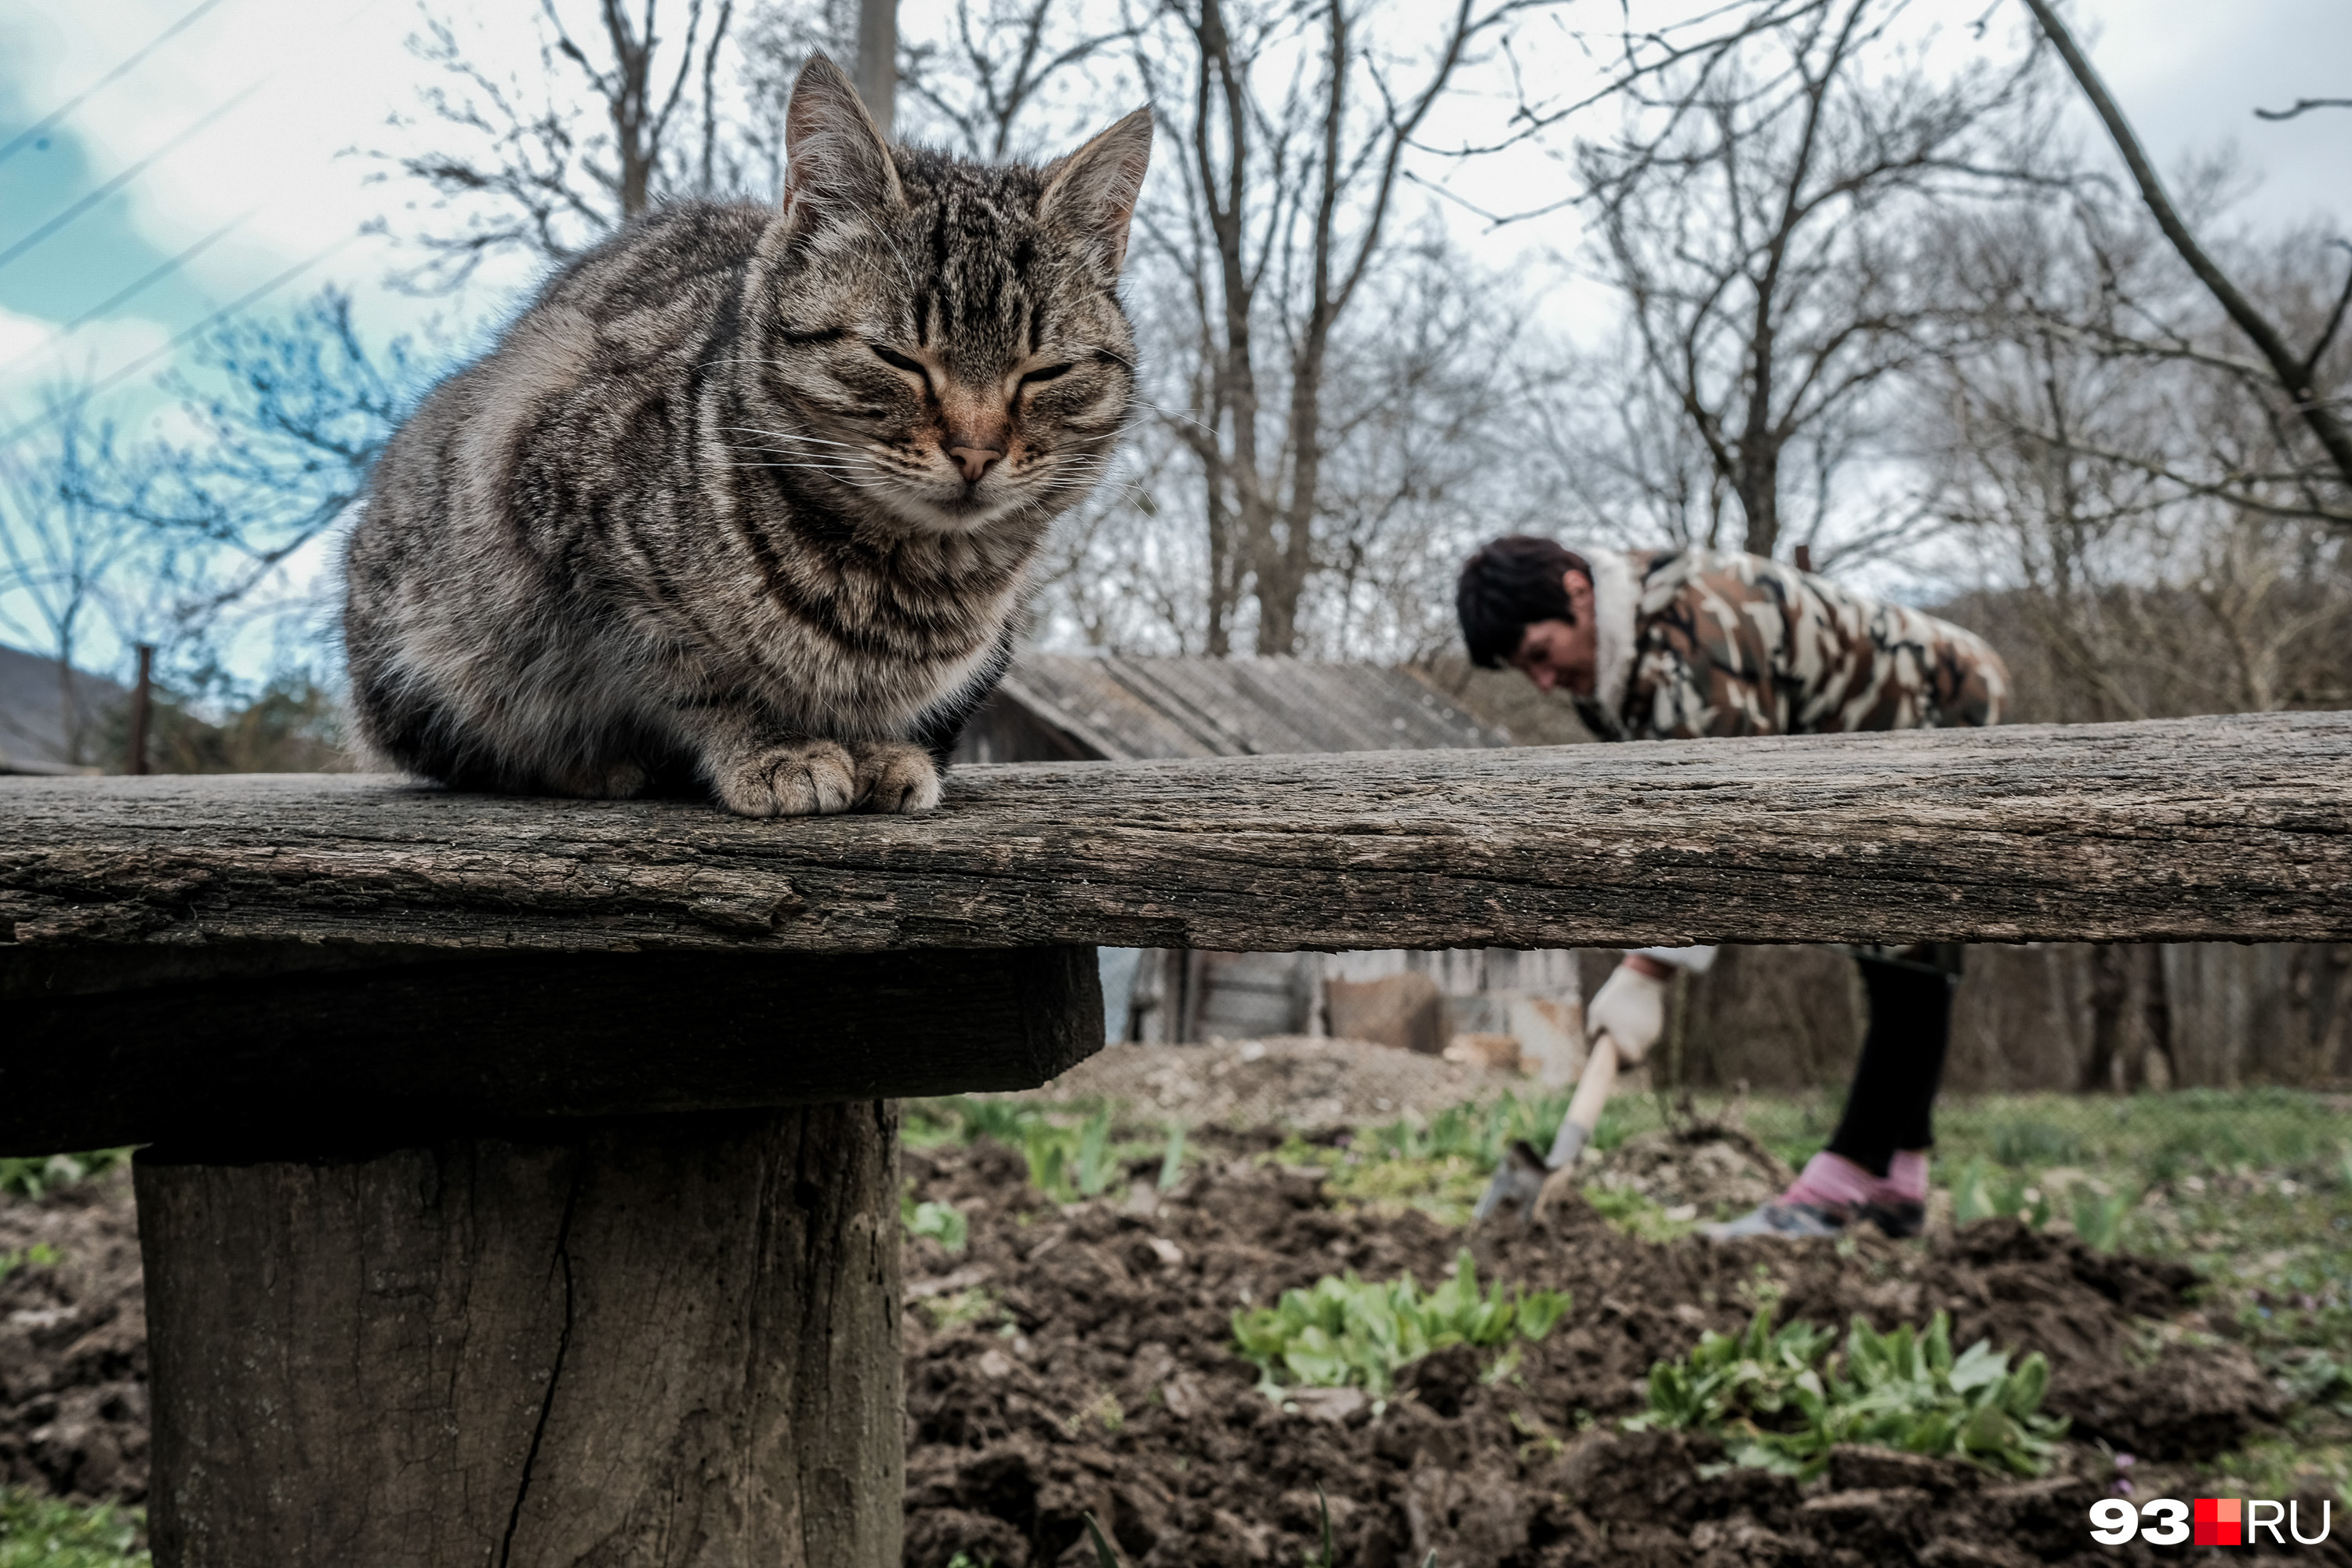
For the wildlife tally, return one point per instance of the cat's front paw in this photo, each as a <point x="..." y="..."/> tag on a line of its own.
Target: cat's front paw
<point x="809" y="778"/>
<point x="896" y="777"/>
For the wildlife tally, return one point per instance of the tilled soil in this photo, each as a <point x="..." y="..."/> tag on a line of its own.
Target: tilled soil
<point x="1074" y="1362"/>
<point x="73" y="1344"/>
<point x="1290" y="1079"/>
<point x="1108" y="1386"/>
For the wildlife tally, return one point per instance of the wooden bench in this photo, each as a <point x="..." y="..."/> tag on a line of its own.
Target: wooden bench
<point x="520" y="1180"/>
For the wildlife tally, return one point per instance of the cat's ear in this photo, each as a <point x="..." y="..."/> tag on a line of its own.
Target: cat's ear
<point x="836" y="164"/>
<point x="1090" y="195"/>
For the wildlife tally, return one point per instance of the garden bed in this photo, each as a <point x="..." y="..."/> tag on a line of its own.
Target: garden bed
<point x="1079" y="1360"/>
<point x="1072" y="1352"/>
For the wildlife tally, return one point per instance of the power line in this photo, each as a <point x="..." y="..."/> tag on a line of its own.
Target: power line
<point x="158" y="274"/>
<point x="26" y="139"/>
<point x="81" y="399"/>
<point x="153" y="278"/>
<point x="125" y="178"/>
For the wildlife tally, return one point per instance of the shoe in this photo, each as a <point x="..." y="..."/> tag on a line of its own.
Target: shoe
<point x="1898" y="1218"/>
<point x="1791" y="1222"/>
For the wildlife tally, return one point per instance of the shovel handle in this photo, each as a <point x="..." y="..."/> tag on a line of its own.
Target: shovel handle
<point x="1592" y="1089"/>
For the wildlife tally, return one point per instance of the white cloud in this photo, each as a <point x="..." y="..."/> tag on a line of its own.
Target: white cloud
<point x="36" y="354"/>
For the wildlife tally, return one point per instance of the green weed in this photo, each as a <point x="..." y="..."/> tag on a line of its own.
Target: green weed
<point x="974" y="1306"/>
<point x="943" y="1223"/>
<point x="2099" y="1216"/>
<point x="41" y="1533"/>
<point x="1344" y="1331"/>
<point x="40" y="1255"/>
<point x="1070" y="1163"/>
<point x="1780" y="1400"/>
<point x="29" y="1176"/>
<point x="2034" y="1142"/>
<point x="1639" y="1217"/>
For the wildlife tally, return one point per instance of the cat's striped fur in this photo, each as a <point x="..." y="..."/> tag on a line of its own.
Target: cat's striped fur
<point x="747" y="496"/>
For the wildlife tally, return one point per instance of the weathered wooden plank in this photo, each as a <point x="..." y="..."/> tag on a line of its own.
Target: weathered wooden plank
<point x="2212" y="828"/>
<point x="662" y="1342"/>
<point x="357" y="1047"/>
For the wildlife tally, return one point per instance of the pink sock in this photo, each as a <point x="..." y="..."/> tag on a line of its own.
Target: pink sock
<point x="1833" y="1181"/>
<point x="1907" y="1174"/>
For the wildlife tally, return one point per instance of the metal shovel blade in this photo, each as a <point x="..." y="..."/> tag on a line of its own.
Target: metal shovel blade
<point x="1518" y="1180"/>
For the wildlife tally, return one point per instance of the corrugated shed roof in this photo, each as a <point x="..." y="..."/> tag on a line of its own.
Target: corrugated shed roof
<point x="1129" y="709"/>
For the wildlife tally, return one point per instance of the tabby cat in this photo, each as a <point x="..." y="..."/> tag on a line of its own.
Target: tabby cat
<point x="747" y="496"/>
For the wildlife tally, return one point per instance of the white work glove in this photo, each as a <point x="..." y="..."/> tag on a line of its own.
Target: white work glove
<point x="1631" y="1009"/>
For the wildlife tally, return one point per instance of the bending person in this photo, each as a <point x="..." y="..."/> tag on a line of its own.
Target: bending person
<point x="1671" y="645"/>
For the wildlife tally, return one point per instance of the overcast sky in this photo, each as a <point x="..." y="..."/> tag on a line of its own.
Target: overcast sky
<point x="239" y="138"/>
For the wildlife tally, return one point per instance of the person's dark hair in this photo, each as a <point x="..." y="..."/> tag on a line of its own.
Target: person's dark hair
<point x="1507" y="587"/>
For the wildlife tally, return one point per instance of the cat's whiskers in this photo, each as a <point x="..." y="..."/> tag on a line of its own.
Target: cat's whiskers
<point x="794" y="435"/>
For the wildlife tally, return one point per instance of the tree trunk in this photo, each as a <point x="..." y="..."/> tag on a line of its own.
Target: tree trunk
<point x="657" y="1341"/>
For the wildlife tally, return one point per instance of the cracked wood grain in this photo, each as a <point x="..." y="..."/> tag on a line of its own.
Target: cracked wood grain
<point x="668" y="1342"/>
<point x="2181" y="830"/>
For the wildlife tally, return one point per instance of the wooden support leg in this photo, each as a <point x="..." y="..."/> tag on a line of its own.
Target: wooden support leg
<point x="649" y="1342"/>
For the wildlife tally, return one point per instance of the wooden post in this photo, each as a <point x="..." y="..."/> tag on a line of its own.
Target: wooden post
<point x="662" y="1341"/>
<point x="142" y="695"/>
<point x="511" y="1260"/>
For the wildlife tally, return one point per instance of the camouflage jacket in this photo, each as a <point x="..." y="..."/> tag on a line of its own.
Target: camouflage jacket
<point x="1702" y="643"/>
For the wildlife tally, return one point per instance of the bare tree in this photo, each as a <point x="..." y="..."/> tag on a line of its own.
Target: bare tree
<point x="1760" y="212"/>
<point x="2146" y="530"/>
<point x="618" y="114"/>
<point x="998" y="82"/>
<point x="293" y="414"/>
<point x="63" y="564"/>
<point x="2294" y="374"/>
<point x="1294" y="127"/>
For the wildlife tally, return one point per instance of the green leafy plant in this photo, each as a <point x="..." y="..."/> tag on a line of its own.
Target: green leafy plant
<point x="41" y="1533"/>
<point x="1172" y="1158"/>
<point x="2099" y="1216"/>
<point x="29" y="1176"/>
<point x="1779" y="1400"/>
<point x="942" y="1223"/>
<point x="40" y="1255"/>
<point x="1344" y="1331"/>
<point x="1978" y="1193"/>
<point x="1969" y="1202"/>
<point x="1070" y="1163"/>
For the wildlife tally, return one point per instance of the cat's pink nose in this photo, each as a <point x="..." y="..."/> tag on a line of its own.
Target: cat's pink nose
<point x="973" y="460"/>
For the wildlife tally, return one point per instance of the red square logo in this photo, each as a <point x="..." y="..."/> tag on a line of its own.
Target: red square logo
<point x="2219" y="1521"/>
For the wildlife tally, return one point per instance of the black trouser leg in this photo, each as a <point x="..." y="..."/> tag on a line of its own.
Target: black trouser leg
<point x="1892" y="1102"/>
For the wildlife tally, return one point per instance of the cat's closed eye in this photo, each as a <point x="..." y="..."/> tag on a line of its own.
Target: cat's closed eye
<point x="1048" y="373"/>
<point x="897" y="360"/>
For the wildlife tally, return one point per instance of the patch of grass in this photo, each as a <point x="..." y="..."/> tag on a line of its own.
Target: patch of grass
<point x="2033" y="1142"/>
<point x="1343" y="1332"/>
<point x="29" y="1176"/>
<point x="42" y="1532"/>
<point x="2282" y="1468"/>
<point x="1780" y="1400"/>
